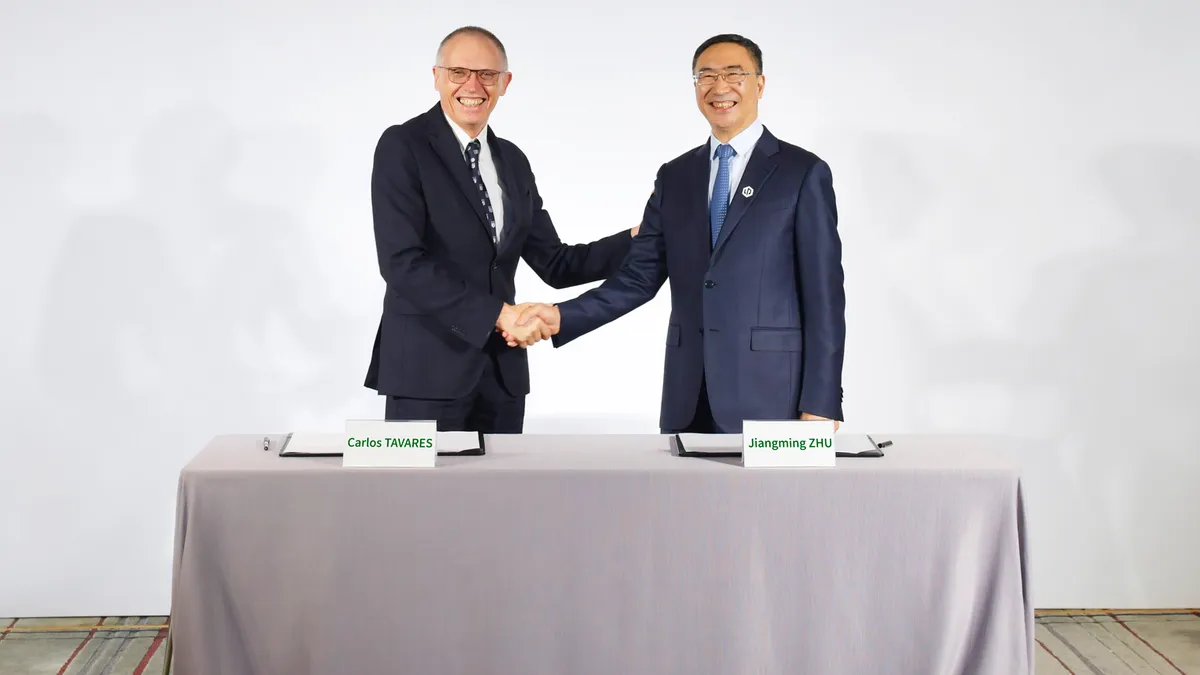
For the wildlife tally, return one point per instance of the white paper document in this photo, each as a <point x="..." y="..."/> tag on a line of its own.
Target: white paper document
<point x="313" y="444"/>
<point x="457" y="441"/>
<point x="710" y="443"/>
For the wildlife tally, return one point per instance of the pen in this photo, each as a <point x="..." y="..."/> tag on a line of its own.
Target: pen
<point x="266" y="443"/>
<point x="879" y="446"/>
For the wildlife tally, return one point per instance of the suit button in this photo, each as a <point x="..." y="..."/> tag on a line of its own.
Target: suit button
<point x="709" y="284"/>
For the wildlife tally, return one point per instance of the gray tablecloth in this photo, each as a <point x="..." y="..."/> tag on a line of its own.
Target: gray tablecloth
<point x="602" y="555"/>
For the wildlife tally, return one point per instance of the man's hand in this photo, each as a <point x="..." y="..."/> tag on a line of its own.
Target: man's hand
<point x="811" y="418"/>
<point x="523" y="335"/>
<point x="633" y="232"/>
<point x="534" y="315"/>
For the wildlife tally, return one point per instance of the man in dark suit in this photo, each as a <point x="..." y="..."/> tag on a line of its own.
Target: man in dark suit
<point x="455" y="209"/>
<point x="745" y="227"/>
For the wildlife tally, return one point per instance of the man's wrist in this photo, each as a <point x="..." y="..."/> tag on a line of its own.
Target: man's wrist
<point x="506" y="310"/>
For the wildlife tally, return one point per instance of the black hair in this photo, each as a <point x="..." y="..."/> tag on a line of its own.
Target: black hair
<point x="732" y="38"/>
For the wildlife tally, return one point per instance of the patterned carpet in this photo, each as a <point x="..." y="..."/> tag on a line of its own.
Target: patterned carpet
<point x="1078" y="642"/>
<point x="83" y="646"/>
<point x="1098" y="642"/>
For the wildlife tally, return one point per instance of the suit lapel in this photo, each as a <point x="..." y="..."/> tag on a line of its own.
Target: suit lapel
<point x="446" y="146"/>
<point x="699" y="170"/>
<point x="759" y="168"/>
<point x="508" y="185"/>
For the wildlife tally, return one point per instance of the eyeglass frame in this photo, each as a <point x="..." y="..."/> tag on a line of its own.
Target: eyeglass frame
<point x="478" y="72"/>
<point x="723" y="75"/>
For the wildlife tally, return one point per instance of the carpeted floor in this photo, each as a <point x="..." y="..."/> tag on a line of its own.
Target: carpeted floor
<point x="1080" y="642"/>
<point x="82" y="646"/>
<point x="1103" y="642"/>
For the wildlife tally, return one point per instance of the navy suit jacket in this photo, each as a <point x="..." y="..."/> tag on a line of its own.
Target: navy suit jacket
<point x="446" y="280"/>
<point x="762" y="315"/>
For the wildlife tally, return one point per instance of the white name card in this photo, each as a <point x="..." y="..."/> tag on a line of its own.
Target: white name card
<point x="390" y="444"/>
<point x="787" y="443"/>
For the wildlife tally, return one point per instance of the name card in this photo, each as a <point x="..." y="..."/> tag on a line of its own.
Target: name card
<point x="787" y="443"/>
<point x="390" y="444"/>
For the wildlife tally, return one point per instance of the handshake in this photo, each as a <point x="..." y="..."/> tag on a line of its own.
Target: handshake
<point x="527" y="323"/>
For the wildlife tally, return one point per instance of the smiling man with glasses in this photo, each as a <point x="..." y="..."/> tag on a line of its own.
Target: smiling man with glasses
<point x="745" y="228"/>
<point x="455" y="209"/>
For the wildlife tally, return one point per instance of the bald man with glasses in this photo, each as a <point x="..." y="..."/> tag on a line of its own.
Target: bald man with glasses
<point x="455" y="208"/>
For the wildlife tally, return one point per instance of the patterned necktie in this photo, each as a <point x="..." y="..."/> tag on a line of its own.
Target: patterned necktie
<point x="473" y="157"/>
<point x="720" y="195"/>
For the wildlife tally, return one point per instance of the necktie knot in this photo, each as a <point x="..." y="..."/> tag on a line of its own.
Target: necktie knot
<point x="725" y="151"/>
<point x="473" y="148"/>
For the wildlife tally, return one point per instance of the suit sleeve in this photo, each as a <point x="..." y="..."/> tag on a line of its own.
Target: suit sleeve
<point x="431" y="286"/>
<point x="822" y="294"/>
<point x="639" y="278"/>
<point x="564" y="265"/>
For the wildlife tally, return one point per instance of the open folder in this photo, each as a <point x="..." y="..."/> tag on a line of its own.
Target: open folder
<point x="730" y="445"/>
<point x="319" y="444"/>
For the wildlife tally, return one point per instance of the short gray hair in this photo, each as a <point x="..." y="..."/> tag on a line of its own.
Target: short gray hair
<point x="474" y="30"/>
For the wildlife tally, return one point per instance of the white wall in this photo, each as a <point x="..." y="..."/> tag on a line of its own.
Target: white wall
<point x="188" y="251"/>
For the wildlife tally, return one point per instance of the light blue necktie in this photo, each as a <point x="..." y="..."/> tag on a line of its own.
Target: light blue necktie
<point x="720" y="196"/>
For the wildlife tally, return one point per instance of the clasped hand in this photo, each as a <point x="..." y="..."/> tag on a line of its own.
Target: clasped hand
<point x="528" y="323"/>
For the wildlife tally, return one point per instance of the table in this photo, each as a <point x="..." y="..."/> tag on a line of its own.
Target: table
<point x="602" y="555"/>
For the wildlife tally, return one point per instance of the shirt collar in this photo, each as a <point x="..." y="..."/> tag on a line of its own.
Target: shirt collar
<point x="743" y="143"/>
<point x="462" y="136"/>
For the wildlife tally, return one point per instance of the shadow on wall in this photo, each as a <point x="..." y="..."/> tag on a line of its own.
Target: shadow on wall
<point x="36" y="150"/>
<point x="186" y="313"/>
<point x="886" y="200"/>
<point x="1124" y="363"/>
<point x="1085" y="346"/>
<point x="1112" y="379"/>
<point x="191" y="308"/>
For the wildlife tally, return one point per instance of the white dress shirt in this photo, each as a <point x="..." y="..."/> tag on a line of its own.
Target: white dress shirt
<point x="743" y="145"/>
<point x="487" y="169"/>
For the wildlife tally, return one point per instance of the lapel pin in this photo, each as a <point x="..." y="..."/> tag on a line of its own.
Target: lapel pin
<point x="747" y="191"/>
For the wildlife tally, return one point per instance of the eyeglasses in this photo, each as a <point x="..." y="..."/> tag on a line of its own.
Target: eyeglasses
<point x="460" y="75"/>
<point x="730" y="76"/>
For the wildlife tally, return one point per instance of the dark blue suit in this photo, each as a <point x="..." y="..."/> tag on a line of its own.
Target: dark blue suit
<point x="759" y="320"/>
<point x="437" y="354"/>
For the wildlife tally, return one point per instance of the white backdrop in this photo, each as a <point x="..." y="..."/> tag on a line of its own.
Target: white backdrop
<point x="187" y="246"/>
